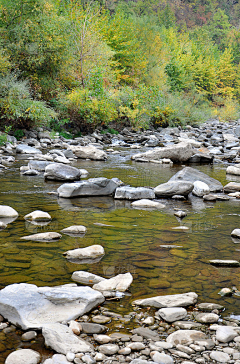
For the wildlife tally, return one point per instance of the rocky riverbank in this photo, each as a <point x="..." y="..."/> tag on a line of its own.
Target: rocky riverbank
<point x="159" y="329"/>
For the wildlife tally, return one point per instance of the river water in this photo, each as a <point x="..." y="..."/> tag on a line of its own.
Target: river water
<point x="133" y="241"/>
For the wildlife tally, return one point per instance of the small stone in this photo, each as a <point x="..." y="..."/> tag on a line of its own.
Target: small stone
<point x="100" y="319"/>
<point x="29" y="335"/>
<point x="38" y="215"/>
<point x="180" y="214"/>
<point x="225" y="334"/>
<point x="136" y="346"/>
<point x="162" y="358"/>
<point x="70" y="356"/>
<point x="171" y="314"/>
<point x="125" y="351"/>
<point x="207" y="318"/>
<point x="220" y="357"/>
<point x="108" y="349"/>
<point x="225" y="292"/>
<point x="102" y="339"/>
<point x="76" y="327"/>
<point x="99" y="357"/>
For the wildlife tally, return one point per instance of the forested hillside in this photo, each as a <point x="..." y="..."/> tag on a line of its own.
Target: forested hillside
<point x="83" y="64"/>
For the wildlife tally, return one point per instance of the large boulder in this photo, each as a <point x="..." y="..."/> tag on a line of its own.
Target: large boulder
<point x="180" y="152"/>
<point x="26" y="149"/>
<point x="61" y="172"/>
<point x="62" y="339"/>
<point x="134" y="193"/>
<point x="29" y="306"/>
<point x="89" y="152"/>
<point x="172" y="188"/>
<point x="192" y="175"/>
<point x="92" y="187"/>
<point x="175" y="300"/>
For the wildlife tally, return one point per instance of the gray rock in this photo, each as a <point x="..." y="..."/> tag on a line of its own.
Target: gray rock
<point x="30" y="172"/>
<point x="193" y="175"/>
<point x="200" y="189"/>
<point x="177" y="153"/>
<point x="86" y="278"/>
<point x="134" y="193"/>
<point x="146" y="333"/>
<point x="175" y="300"/>
<point x="89" y="152"/>
<point x="207" y="318"/>
<point x="225" y="334"/>
<point x="232" y="187"/>
<point x="172" y="188"/>
<point x="92" y="187"/>
<point x="26" y="149"/>
<point x="49" y="236"/>
<point x="183" y="337"/>
<point x="61" y="172"/>
<point x="219" y="356"/>
<point x="29" y="306"/>
<point x="171" y="314"/>
<point x="120" y="283"/>
<point x="89" y="328"/>
<point x="61" y="339"/>
<point x="38" y="165"/>
<point x="23" y="356"/>
<point x="90" y="252"/>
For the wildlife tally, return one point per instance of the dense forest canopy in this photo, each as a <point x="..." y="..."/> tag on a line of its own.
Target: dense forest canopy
<point x="87" y="63"/>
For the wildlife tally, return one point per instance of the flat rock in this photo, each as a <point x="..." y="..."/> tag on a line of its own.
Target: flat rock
<point x="232" y="187"/>
<point x="225" y="334"/>
<point x="134" y="193"/>
<point x="86" y="278"/>
<point x="146" y="333"/>
<point x="224" y="263"/>
<point x="206" y="306"/>
<point x="49" y="236"/>
<point x="185" y="336"/>
<point x="89" y="152"/>
<point x="7" y="211"/>
<point x="120" y="283"/>
<point x="172" y="188"/>
<point x="74" y="230"/>
<point x="26" y="149"/>
<point x="38" y="215"/>
<point x="219" y="356"/>
<point x="61" y="339"/>
<point x="171" y="314"/>
<point x="180" y="152"/>
<point x="29" y="306"/>
<point x="61" y="172"/>
<point x="192" y="175"/>
<point x="145" y="203"/>
<point x="23" y="356"/>
<point x="187" y="325"/>
<point x="92" y="187"/>
<point x="175" y="300"/>
<point x="90" y="252"/>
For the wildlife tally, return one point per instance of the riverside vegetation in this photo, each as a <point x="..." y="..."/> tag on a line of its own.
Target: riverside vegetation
<point x="78" y="65"/>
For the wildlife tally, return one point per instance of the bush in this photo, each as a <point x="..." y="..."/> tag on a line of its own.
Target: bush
<point x="17" y="107"/>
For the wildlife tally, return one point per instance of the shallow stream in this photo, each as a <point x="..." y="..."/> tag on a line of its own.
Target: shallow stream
<point x="133" y="241"/>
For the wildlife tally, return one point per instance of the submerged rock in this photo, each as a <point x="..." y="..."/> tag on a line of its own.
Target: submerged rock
<point x="29" y="306"/>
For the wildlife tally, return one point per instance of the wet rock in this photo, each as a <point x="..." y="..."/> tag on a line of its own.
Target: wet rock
<point x="232" y="187"/>
<point x="192" y="175"/>
<point x="134" y="193"/>
<point x="225" y="334"/>
<point x="7" y="211"/>
<point x="74" y="230"/>
<point x="184" y="337"/>
<point x="26" y="149"/>
<point x="145" y="203"/>
<point x="225" y="292"/>
<point x="120" y="283"/>
<point x="23" y="356"/>
<point x="38" y="215"/>
<point x="49" y="236"/>
<point x="89" y="152"/>
<point x="29" y="306"/>
<point x="177" y="300"/>
<point x="92" y="187"/>
<point x="61" y="172"/>
<point x="61" y="339"/>
<point x="200" y="189"/>
<point x="90" y="252"/>
<point x="224" y="263"/>
<point x="177" y="153"/>
<point x="172" y="188"/>
<point x="30" y="172"/>
<point x="86" y="278"/>
<point x="171" y="314"/>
